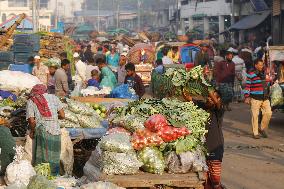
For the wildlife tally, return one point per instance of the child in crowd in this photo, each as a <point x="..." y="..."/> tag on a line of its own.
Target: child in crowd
<point x="133" y="80"/>
<point x="94" y="81"/>
<point x="160" y="69"/>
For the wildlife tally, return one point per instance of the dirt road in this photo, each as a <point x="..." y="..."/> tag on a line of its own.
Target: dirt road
<point x="250" y="163"/>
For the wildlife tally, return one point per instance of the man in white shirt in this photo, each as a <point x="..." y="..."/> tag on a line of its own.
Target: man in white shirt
<point x="80" y="75"/>
<point x="166" y="59"/>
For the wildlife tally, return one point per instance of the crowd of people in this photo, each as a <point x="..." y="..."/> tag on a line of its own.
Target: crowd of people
<point x="239" y="75"/>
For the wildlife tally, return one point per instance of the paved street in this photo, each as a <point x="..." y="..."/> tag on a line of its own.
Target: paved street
<point x="250" y="163"/>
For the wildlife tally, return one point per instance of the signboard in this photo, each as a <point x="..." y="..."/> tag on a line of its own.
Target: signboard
<point x="276" y="53"/>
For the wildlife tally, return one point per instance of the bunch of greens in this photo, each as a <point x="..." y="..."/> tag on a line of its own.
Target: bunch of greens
<point x="193" y="81"/>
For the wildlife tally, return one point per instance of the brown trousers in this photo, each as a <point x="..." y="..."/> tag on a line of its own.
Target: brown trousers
<point x="256" y="106"/>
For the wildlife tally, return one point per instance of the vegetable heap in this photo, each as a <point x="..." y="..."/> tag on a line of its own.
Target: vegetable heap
<point x="193" y="81"/>
<point x="159" y="127"/>
<point x="80" y="115"/>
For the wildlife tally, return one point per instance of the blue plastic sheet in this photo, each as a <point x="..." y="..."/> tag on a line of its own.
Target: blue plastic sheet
<point x="123" y="91"/>
<point x="88" y="133"/>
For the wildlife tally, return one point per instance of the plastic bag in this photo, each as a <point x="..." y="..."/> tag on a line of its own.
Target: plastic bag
<point x="123" y="91"/>
<point x="144" y="138"/>
<point x="70" y="116"/>
<point x="40" y="182"/>
<point x="276" y="95"/>
<point x="66" y="153"/>
<point x="100" y="185"/>
<point x="89" y="121"/>
<point x="116" y="142"/>
<point x="179" y="163"/>
<point x="65" y="182"/>
<point x="28" y="149"/>
<point x="130" y="122"/>
<point x="156" y="122"/>
<point x="118" y="130"/>
<point x="153" y="160"/>
<point x="199" y="161"/>
<point x="120" y="163"/>
<point x="169" y="133"/>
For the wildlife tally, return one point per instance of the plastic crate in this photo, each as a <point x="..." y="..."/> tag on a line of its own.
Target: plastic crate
<point x="22" y="57"/>
<point x="22" y="38"/>
<point x="20" y="67"/>
<point x="4" y="65"/>
<point x="19" y="48"/>
<point x="6" y="56"/>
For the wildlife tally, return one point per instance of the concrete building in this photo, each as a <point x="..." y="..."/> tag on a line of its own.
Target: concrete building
<point x="65" y="8"/>
<point x="205" y="16"/>
<point x="11" y="8"/>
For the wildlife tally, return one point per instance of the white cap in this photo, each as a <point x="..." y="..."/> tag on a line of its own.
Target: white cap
<point x="231" y="49"/>
<point x="123" y="54"/>
<point x="37" y="57"/>
<point x="76" y="55"/>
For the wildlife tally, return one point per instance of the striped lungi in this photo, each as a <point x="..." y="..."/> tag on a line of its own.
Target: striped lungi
<point x="213" y="175"/>
<point x="227" y="92"/>
<point x="47" y="149"/>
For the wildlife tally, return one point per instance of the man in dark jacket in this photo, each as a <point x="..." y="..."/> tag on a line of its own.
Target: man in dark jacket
<point x="88" y="53"/>
<point x="224" y="73"/>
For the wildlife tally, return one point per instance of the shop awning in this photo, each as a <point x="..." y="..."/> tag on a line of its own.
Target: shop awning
<point x="250" y="21"/>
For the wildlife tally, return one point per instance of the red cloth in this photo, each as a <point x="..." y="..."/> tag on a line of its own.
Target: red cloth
<point x="213" y="175"/>
<point x="37" y="97"/>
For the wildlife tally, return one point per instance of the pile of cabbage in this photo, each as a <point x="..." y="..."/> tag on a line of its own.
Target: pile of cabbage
<point x="80" y="115"/>
<point x="114" y="155"/>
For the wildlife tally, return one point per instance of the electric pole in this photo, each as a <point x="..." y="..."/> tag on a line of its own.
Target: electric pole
<point x="233" y="20"/>
<point x="98" y="15"/>
<point x="117" y="15"/>
<point x="34" y="12"/>
<point x="139" y="14"/>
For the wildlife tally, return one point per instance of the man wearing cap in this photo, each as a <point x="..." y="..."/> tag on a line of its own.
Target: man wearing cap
<point x="202" y="57"/>
<point x="80" y="75"/>
<point x="121" y="72"/>
<point x="40" y="71"/>
<point x="224" y="73"/>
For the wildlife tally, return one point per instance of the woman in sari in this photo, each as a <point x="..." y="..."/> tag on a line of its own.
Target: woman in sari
<point x="43" y="112"/>
<point x="108" y="79"/>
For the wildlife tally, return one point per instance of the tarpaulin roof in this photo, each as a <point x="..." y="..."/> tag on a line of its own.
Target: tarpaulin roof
<point x="26" y="24"/>
<point x="250" y="21"/>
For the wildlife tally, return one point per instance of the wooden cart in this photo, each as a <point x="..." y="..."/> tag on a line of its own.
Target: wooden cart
<point x="147" y="180"/>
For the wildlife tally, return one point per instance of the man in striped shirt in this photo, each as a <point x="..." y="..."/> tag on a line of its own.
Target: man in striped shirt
<point x="257" y="95"/>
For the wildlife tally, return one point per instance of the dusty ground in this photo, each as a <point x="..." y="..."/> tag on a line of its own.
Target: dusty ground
<point x="250" y="163"/>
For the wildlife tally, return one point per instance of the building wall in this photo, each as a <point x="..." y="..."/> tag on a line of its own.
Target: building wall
<point x="66" y="8"/>
<point x="210" y="8"/>
<point x="7" y="12"/>
<point x="206" y="16"/>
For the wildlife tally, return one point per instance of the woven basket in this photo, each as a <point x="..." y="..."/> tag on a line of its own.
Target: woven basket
<point x="134" y="54"/>
<point x="155" y="37"/>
